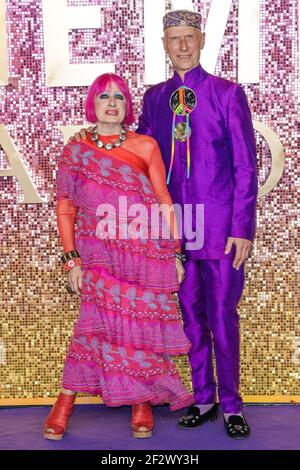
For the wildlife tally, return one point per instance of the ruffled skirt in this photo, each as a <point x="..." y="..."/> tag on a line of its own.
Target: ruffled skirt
<point x="123" y="341"/>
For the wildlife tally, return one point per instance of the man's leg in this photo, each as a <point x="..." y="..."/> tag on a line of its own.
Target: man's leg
<point x="223" y="287"/>
<point x="193" y="306"/>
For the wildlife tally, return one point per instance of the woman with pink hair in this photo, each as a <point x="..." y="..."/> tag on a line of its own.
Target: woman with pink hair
<point x="129" y="323"/>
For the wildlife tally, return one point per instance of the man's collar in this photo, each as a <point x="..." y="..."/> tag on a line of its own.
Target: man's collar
<point x="191" y="78"/>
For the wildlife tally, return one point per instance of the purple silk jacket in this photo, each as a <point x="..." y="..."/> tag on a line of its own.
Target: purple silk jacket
<point x="223" y="156"/>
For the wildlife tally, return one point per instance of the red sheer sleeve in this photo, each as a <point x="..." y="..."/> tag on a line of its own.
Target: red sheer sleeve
<point x="157" y="175"/>
<point x="66" y="210"/>
<point x="66" y="213"/>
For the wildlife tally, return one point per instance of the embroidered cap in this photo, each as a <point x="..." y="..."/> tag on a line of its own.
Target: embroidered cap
<point x="182" y="18"/>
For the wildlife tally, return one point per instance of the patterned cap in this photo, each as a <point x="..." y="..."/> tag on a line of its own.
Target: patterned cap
<point x="182" y="18"/>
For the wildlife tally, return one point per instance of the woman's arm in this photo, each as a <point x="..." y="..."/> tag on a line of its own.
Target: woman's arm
<point x="66" y="213"/>
<point x="157" y="175"/>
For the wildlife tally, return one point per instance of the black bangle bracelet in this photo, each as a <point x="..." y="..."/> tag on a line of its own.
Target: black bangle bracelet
<point x="180" y="256"/>
<point x="70" y="255"/>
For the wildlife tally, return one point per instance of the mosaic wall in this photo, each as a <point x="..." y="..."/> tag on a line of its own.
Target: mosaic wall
<point x="37" y="315"/>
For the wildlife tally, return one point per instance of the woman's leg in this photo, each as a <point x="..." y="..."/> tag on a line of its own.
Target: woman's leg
<point x="59" y="415"/>
<point x="67" y="392"/>
<point x="142" y="420"/>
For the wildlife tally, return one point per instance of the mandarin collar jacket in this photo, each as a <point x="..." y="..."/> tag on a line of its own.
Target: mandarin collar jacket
<point x="222" y="185"/>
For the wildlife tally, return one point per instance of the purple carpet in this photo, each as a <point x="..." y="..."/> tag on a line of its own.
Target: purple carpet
<point x="95" y="427"/>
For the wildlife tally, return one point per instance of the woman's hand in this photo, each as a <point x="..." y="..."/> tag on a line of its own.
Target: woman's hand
<point x="180" y="270"/>
<point x="75" y="279"/>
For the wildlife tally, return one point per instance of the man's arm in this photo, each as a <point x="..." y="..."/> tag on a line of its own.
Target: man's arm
<point x="243" y="151"/>
<point x="82" y="134"/>
<point x="144" y="126"/>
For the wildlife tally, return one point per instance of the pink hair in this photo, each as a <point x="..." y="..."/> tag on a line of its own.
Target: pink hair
<point x="98" y="86"/>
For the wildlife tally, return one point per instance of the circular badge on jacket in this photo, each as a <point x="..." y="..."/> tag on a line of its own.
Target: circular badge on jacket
<point x="183" y="101"/>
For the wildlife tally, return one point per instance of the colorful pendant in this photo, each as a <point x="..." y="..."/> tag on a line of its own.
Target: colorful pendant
<point x="182" y="131"/>
<point x="182" y="102"/>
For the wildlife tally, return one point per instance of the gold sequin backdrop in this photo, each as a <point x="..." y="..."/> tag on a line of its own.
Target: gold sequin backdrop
<point x="37" y="316"/>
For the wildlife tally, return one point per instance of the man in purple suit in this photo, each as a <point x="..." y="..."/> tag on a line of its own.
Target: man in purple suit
<point x="212" y="162"/>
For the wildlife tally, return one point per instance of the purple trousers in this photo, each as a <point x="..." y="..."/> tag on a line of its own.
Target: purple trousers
<point x="208" y="297"/>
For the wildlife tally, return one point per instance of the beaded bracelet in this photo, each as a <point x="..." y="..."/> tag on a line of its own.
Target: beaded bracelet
<point x="72" y="263"/>
<point x="70" y="255"/>
<point x="180" y="256"/>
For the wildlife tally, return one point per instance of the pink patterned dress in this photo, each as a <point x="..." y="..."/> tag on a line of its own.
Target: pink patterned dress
<point x="129" y="326"/>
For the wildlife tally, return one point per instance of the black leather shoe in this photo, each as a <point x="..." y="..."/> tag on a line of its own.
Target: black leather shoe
<point x="193" y="418"/>
<point x="236" y="427"/>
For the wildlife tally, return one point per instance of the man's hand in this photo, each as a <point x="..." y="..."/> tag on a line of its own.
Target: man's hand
<point x="242" y="251"/>
<point x="81" y="134"/>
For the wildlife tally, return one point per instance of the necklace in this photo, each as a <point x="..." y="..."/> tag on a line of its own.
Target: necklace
<point x="182" y="102"/>
<point x="109" y="145"/>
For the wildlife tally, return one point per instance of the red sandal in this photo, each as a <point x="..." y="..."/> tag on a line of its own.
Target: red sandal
<point x="142" y="420"/>
<point x="58" y="418"/>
